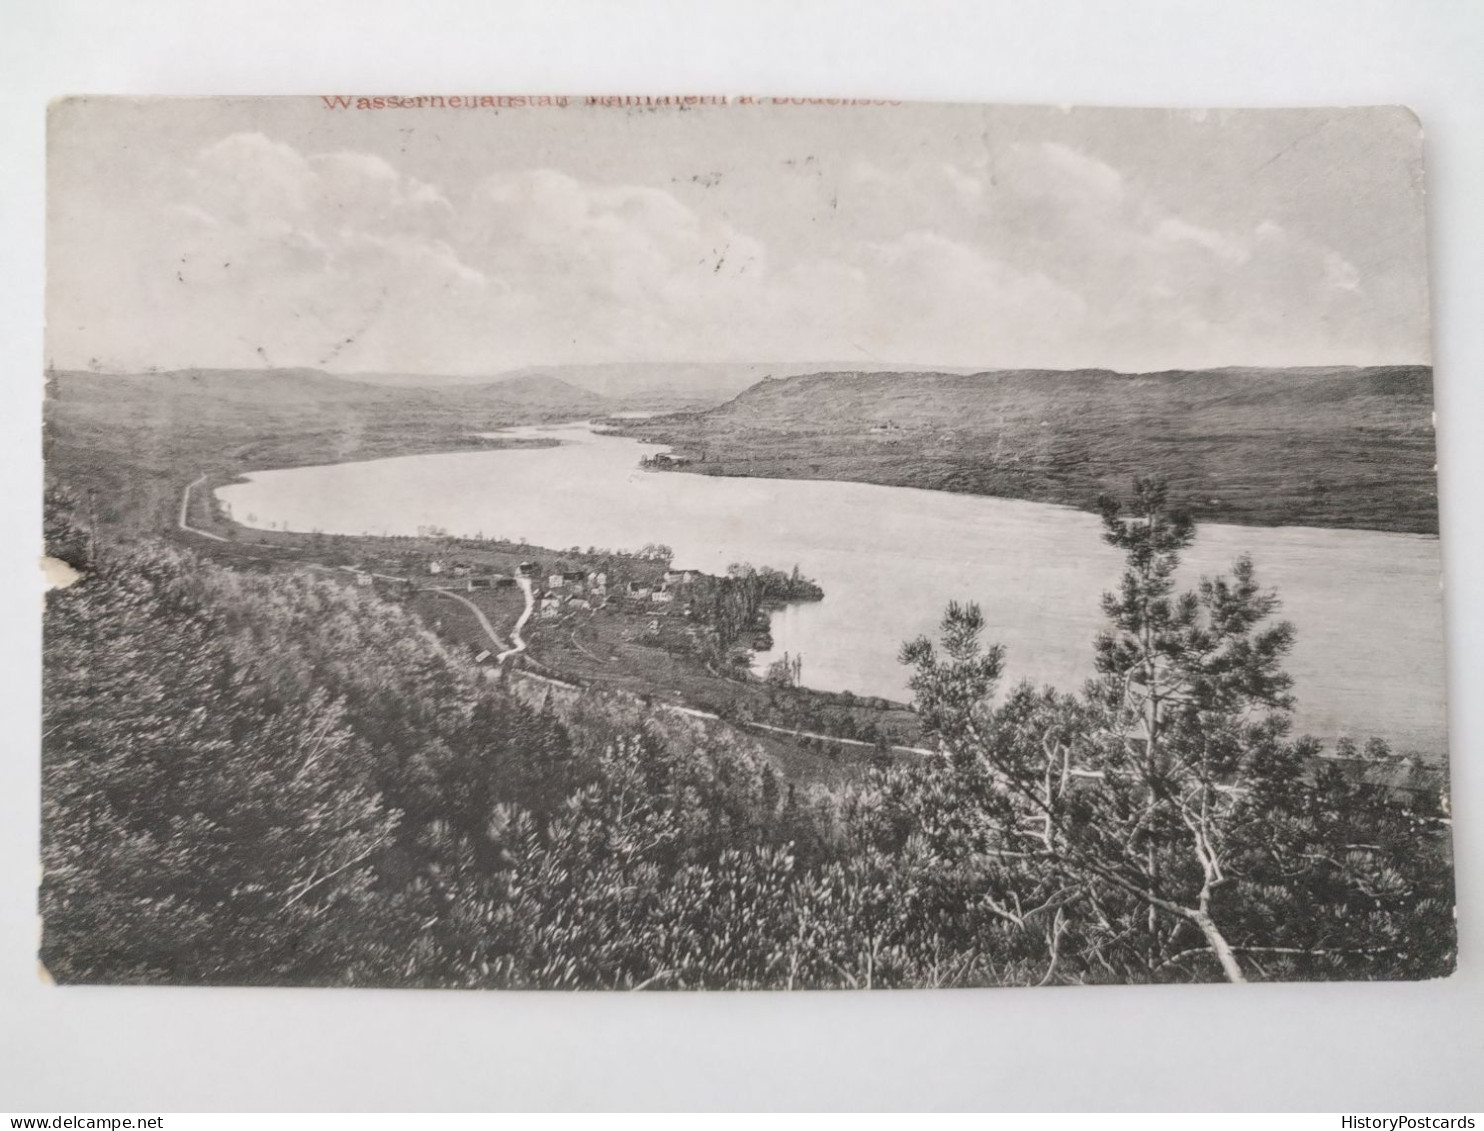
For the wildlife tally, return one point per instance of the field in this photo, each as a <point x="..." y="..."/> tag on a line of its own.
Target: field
<point x="1339" y="447"/>
<point x="630" y="649"/>
<point x="634" y="649"/>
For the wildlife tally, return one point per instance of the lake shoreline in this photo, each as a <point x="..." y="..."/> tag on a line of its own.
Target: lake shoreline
<point x="589" y="488"/>
<point x="1332" y="448"/>
<point x="660" y="670"/>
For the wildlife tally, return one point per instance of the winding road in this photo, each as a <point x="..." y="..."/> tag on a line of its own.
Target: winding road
<point x="697" y="713"/>
<point x="503" y="653"/>
<point x="484" y="621"/>
<point x="185" y="506"/>
<point x="517" y="640"/>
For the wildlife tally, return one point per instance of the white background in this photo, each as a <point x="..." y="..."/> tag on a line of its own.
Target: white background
<point x="1351" y="1048"/>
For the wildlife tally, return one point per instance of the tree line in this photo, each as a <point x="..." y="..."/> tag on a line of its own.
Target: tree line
<point x="730" y="608"/>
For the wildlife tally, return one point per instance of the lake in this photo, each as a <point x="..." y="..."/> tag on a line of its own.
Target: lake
<point x="1367" y="605"/>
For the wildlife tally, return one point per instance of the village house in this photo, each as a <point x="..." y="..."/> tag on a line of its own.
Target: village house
<point x="551" y="605"/>
<point x="579" y="603"/>
<point x="681" y="576"/>
<point x="597" y="580"/>
<point x="435" y="566"/>
<point x="555" y="581"/>
<point x="461" y="571"/>
<point x="661" y="596"/>
<point x="575" y="577"/>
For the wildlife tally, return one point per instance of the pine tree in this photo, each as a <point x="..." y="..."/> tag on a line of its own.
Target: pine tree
<point x="1155" y="803"/>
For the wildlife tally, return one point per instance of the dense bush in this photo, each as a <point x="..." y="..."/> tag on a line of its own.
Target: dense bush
<point x="280" y="779"/>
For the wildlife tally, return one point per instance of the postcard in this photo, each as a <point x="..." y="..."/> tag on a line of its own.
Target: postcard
<point x="690" y="542"/>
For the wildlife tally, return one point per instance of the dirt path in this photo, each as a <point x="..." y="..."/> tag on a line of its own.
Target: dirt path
<point x="583" y="648"/>
<point x="484" y="621"/>
<point x="697" y="713"/>
<point x="519" y="644"/>
<point x="515" y="637"/>
<point x="185" y="507"/>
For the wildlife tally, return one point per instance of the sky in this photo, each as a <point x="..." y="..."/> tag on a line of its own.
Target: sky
<point x="247" y="233"/>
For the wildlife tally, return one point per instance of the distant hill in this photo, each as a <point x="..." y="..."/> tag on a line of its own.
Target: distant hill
<point x="1332" y="446"/>
<point x="960" y="400"/>
<point x="282" y="387"/>
<point x="631" y="385"/>
<point x="235" y="386"/>
<point x="139" y="438"/>
<point x="534" y="390"/>
<point x="1339" y="446"/>
<point x="678" y="383"/>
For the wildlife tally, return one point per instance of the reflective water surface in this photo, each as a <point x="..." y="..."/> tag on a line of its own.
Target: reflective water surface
<point x="1367" y="605"/>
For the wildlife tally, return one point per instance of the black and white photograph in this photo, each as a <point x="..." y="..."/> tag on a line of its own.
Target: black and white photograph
<point x="697" y="542"/>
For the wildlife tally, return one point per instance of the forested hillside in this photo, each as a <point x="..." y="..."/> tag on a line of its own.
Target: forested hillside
<point x="1313" y="447"/>
<point x="280" y="779"/>
<point x="138" y="439"/>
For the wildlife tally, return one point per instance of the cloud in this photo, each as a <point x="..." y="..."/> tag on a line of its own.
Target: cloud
<point x="1340" y="273"/>
<point x="1078" y="174"/>
<point x="321" y="259"/>
<point x="1228" y="248"/>
<point x="1028" y="253"/>
<point x="627" y="236"/>
<point x="1161" y="287"/>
